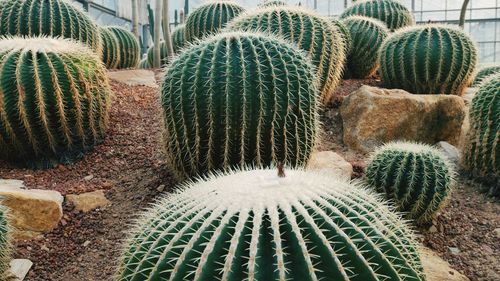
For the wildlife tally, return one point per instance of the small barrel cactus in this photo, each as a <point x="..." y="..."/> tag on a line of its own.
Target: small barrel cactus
<point x="256" y="225"/>
<point x="54" y="100"/>
<point x="209" y="18"/>
<point x="311" y="32"/>
<point x="5" y="246"/>
<point x="484" y="73"/>
<point x="394" y="14"/>
<point x="367" y="35"/>
<point x="345" y="34"/>
<point x="178" y="39"/>
<point x="416" y="176"/>
<point x="128" y="47"/>
<point x="239" y="99"/>
<point x="272" y="3"/>
<point x="144" y="64"/>
<point x="163" y="54"/>
<point x="110" y="49"/>
<point x="482" y="145"/>
<point x="428" y="59"/>
<point x="55" y="18"/>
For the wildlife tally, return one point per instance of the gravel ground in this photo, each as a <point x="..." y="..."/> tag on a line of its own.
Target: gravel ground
<point x="130" y="167"/>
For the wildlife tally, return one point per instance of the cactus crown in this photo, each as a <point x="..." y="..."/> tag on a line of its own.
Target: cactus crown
<point x="428" y="59"/>
<point x="252" y="101"/>
<point x="256" y="225"/>
<point x="417" y="177"/>
<point x="55" y="18"/>
<point x="128" y="47"/>
<point x="209" y="18"/>
<point x="54" y="97"/>
<point x="394" y="14"/>
<point x="484" y="73"/>
<point x="312" y="33"/>
<point x="367" y="35"/>
<point x="5" y="244"/>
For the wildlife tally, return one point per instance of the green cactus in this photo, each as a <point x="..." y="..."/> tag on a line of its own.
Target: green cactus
<point x="367" y="35"/>
<point x="128" y="46"/>
<point x="178" y="39"/>
<point x="345" y="34"/>
<point x="163" y="54"/>
<point x="482" y="145"/>
<point x="55" y="18"/>
<point x="311" y="32"/>
<point x="239" y="99"/>
<point x="5" y="245"/>
<point x="210" y="18"/>
<point x="54" y="100"/>
<point x="272" y="3"/>
<point x="110" y="49"/>
<point x="416" y="176"/>
<point x="428" y="59"/>
<point x="484" y="73"/>
<point x="395" y="15"/>
<point x="256" y="225"/>
<point x="144" y="64"/>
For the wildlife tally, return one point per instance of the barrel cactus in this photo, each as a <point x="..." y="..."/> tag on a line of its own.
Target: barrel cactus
<point x="128" y="47"/>
<point x="256" y="225"/>
<point x="163" y="54"/>
<point x="417" y="177"/>
<point x="272" y="3"/>
<point x="428" y="59"/>
<point x="311" y="32"/>
<point x="484" y="73"/>
<point x="239" y="99"/>
<point x="345" y="34"/>
<point x="178" y="39"/>
<point x="144" y="64"/>
<point x="394" y="14"/>
<point x="55" y="18"/>
<point x="110" y="49"/>
<point x="5" y="246"/>
<point x="367" y="35"/>
<point x="482" y="145"/>
<point x="54" y="100"/>
<point x="209" y="18"/>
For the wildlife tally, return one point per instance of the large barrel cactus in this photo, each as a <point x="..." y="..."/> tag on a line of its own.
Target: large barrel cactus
<point x="55" y="18"/>
<point x="484" y="73"/>
<point x="209" y="18"/>
<point x="178" y="38"/>
<point x="128" y="47"/>
<point x="163" y="54"/>
<point x="5" y="246"/>
<point x="256" y="225"/>
<point x="482" y="146"/>
<point x="367" y="35"/>
<point x="239" y="99"/>
<point x="416" y="176"/>
<point x="394" y="14"/>
<point x="311" y="32"/>
<point x="110" y="49"/>
<point x="54" y="100"/>
<point x="428" y="59"/>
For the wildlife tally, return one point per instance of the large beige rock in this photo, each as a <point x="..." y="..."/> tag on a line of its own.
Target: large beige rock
<point x="89" y="201"/>
<point x="330" y="162"/>
<point x="437" y="269"/>
<point x="373" y="116"/>
<point x="134" y="77"/>
<point x="31" y="211"/>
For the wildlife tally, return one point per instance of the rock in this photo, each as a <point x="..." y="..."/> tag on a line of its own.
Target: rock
<point x="89" y="201"/>
<point x="437" y="269"/>
<point x="373" y="116"/>
<point x="330" y="162"/>
<point x="89" y="177"/>
<point x="450" y="151"/>
<point x="454" y="250"/>
<point x="160" y="188"/>
<point x="86" y="243"/>
<point x="31" y="211"/>
<point x="433" y="229"/>
<point x="19" y="268"/>
<point x="134" y="77"/>
<point x="497" y="232"/>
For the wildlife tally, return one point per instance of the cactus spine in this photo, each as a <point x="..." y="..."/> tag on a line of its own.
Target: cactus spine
<point x="5" y="246"/>
<point x="239" y="99"/>
<point x="54" y="100"/>
<point x="55" y="18"/>
<point x="416" y="176"/>
<point x="128" y="46"/>
<point x="367" y="35"/>
<point x="209" y="18"/>
<point x="178" y="39"/>
<point x="484" y="73"/>
<point x="482" y="146"/>
<point x="255" y="225"/>
<point x="312" y="33"/>
<point x="395" y="15"/>
<point x="110" y="49"/>
<point x="428" y="59"/>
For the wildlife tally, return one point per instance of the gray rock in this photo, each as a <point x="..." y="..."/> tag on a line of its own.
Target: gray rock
<point x="450" y="151"/>
<point x="19" y="268"/>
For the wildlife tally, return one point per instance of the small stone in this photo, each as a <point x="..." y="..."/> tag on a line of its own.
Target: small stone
<point x="89" y="201"/>
<point x="45" y="248"/>
<point x="161" y="188"/>
<point x="86" y="243"/>
<point x="454" y="250"/>
<point x="19" y="268"/>
<point x="89" y="177"/>
<point x="433" y="229"/>
<point x="450" y="151"/>
<point x="497" y="232"/>
<point x="330" y="162"/>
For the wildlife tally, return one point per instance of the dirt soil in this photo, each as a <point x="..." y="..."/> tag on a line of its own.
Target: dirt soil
<point x="130" y="167"/>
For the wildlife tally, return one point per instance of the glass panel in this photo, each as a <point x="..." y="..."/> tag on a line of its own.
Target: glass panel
<point x="482" y="3"/>
<point x="486" y="52"/>
<point x="483" y="14"/>
<point x="433" y="16"/>
<point x="455" y="4"/>
<point x="482" y="31"/>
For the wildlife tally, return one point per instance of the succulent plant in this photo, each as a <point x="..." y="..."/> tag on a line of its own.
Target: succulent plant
<point x="311" y="32"/>
<point x="484" y="73"/>
<point x="428" y="59"/>
<point x="239" y="99"/>
<point x="5" y="246"/>
<point x="163" y="54"/>
<point x="367" y="35"/>
<point x="54" y="100"/>
<point x="55" y="18"/>
<point x="416" y="176"/>
<point x="178" y="39"/>
<point x="345" y="34"/>
<point x="110" y="49"/>
<point x="209" y="18"/>
<point x="144" y="64"/>
<point x="394" y="14"/>
<point x="272" y="3"/>
<point x="482" y="145"/>
<point x="128" y="46"/>
<point x="256" y="225"/>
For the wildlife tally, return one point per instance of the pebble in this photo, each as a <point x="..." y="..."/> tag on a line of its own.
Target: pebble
<point x="497" y="232"/>
<point x="454" y="250"/>
<point x="86" y="243"/>
<point x="45" y="248"/>
<point x="433" y="229"/>
<point x="161" y="188"/>
<point x="89" y="177"/>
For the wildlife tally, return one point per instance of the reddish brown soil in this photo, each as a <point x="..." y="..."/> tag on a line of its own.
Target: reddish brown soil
<point x="130" y="167"/>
